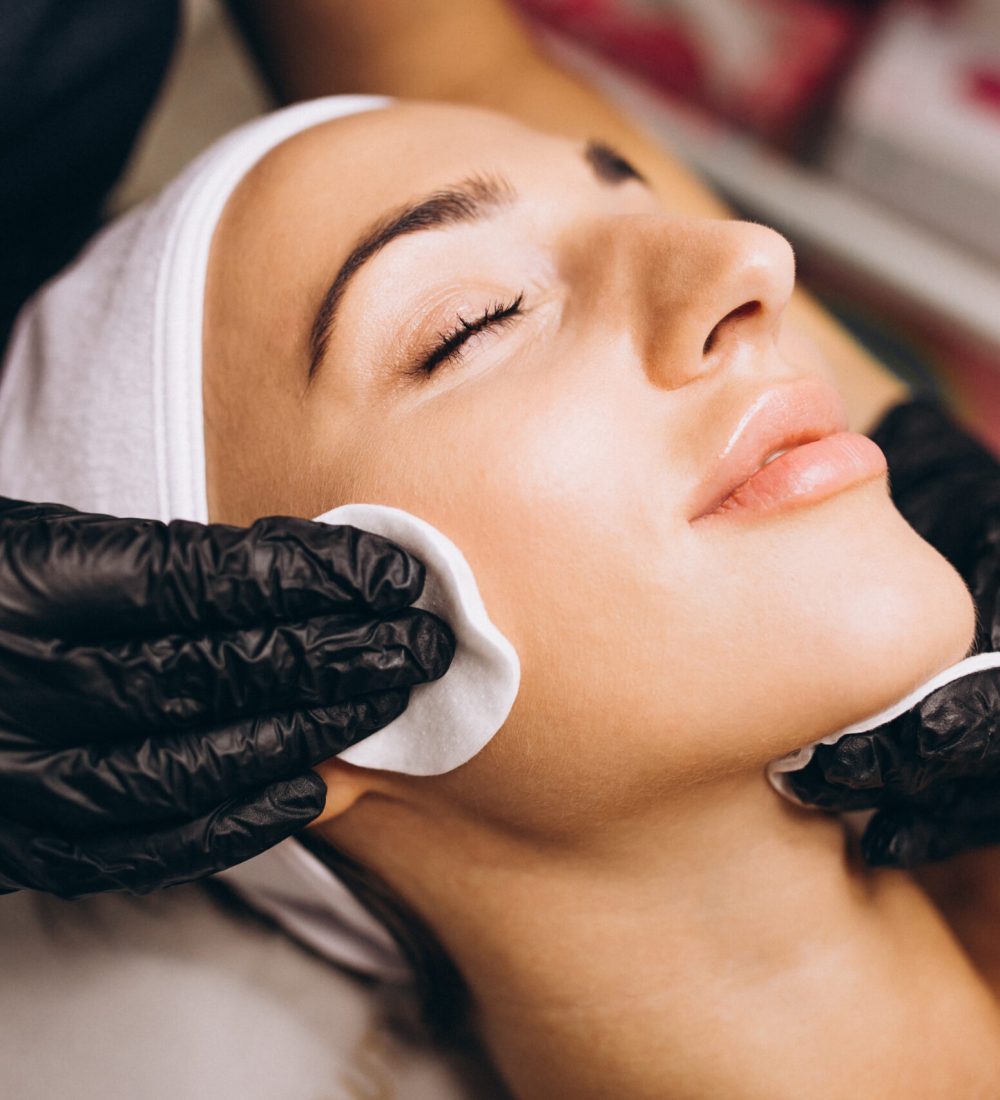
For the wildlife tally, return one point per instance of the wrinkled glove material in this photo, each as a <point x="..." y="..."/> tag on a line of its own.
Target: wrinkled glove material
<point x="165" y="689"/>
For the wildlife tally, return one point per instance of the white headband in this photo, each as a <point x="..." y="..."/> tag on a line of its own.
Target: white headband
<point x="101" y="409"/>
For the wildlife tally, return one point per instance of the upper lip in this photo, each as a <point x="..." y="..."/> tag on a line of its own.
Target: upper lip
<point x="775" y="419"/>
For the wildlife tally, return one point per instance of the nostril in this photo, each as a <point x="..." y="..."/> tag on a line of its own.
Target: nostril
<point x="748" y="309"/>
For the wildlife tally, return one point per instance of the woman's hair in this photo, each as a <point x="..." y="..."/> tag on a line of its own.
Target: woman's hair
<point x="443" y="993"/>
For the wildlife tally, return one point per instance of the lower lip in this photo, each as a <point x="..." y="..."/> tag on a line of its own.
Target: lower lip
<point x="805" y="475"/>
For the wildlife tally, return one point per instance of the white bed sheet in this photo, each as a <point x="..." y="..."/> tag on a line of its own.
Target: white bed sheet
<point x="173" y="997"/>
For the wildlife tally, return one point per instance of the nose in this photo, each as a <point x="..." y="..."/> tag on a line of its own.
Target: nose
<point x="710" y="292"/>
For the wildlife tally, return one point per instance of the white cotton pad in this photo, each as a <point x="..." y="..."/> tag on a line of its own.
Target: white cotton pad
<point x="448" y="721"/>
<point x="777" y="770"/>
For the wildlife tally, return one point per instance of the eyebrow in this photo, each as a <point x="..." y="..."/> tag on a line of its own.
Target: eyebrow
<point x="471" y="200"/>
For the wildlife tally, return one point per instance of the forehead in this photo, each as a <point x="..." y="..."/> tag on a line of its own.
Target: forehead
<point x="381" y="157"/>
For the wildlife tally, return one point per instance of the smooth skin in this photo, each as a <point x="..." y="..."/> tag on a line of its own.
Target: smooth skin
<point x="637" y="913"/>
<point x="481" y="53"/>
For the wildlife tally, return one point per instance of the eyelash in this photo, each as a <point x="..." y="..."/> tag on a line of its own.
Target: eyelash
<point x="450" y="343"/>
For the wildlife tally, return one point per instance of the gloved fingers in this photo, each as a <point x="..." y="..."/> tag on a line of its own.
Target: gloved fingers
<point x="958" y="731"/>
<point x="936" y="823"/>
<point x="812" y="787"/>
<point x="953" y="733"/>
<point x="26" y="510"/>
<point x="984" y="584"/>
<point x="86" y="577"/>
<point x="943" y="481"/>
<point x="279" y="568"/>
<point x="15" y="863"/>
<point x="107" y="692"/>
<point x="898" y="838"/>
<point x="906" y="837"/>
<point x="850" y="774"/>
<point x="175" y="777"/>
<point x="139" y="863"/>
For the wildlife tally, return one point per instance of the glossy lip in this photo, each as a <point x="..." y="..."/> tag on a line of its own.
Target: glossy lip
<point x="784" y="418"/>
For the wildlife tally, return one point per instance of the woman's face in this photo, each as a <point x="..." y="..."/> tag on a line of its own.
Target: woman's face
<point x="627" y="368"/>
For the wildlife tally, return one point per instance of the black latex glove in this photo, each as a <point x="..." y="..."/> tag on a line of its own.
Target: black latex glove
<point x="165" y="689"/>
<point x="934" y="773"/>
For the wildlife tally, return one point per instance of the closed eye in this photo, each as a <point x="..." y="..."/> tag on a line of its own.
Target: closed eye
<point x="450" y="343"/>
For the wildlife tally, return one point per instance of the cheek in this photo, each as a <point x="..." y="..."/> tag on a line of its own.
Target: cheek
<point x="694" y="658"/>
<point x="562" y="516"/>
<point x="549" y="500"/>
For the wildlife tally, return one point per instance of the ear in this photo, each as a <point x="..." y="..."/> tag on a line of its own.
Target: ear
<point x="344" y="786"/>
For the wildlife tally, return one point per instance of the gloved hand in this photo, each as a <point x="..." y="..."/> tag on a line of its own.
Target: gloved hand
<point x="165" y="689"/>
<point x="934" y="773"/>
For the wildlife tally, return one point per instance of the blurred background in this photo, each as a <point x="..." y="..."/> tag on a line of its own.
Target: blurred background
<point x="867" y="131"/>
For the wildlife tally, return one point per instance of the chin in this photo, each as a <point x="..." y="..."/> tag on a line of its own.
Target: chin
<point x="909" y="614"/>
<point x="868" y="611"/>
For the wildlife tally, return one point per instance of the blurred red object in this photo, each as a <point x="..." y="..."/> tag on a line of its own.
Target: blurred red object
<point x="984" y="86"/>
<point x="764" y="64"/>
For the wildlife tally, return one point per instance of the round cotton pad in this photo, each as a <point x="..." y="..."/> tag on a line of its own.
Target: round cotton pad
<point x="448" y="721"/>
<point x="777" y="770"/>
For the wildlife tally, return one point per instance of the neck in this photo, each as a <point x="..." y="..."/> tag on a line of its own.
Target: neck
<point x="726" y="945"/>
